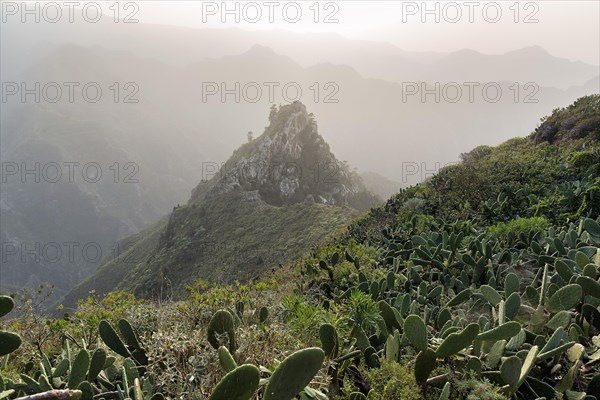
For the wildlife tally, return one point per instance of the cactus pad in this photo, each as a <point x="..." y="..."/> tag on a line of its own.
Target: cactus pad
<point x="220" y="324"/>
<point x="294" y="373"/>
<point x="239" y="384"/>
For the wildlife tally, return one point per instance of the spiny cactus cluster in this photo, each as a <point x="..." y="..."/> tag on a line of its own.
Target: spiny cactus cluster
<point x="523" y="316"/>
<point x="88" y="374"/>
<point x="536" y="335"/>
<point x="288" y="379"/>
<point x="129" y="346"/>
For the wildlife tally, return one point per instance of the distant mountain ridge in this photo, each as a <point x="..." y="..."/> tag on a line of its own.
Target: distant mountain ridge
<point x="371" y="59"/>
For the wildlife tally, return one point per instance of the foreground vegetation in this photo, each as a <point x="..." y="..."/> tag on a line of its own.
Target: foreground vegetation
<point x="482" y="283"/>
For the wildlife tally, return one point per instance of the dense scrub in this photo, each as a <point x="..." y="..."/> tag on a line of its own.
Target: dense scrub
<point x="481" y="283"/>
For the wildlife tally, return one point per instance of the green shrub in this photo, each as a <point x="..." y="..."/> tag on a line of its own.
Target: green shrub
<point x="301" y="317"/>
<point x="585" y="161"/>
<point x="362" y="310"/>
<point x="521" y="225"/>
<point x="393" y="381"/>
<point x="475" y="389"/>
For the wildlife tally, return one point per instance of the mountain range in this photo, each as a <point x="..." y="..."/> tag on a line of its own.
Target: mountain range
<point x="371" y="59"/>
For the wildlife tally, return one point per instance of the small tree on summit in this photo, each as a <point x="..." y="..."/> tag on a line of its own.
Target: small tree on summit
<point x="250" y="136"/>
<point x="273" y="113"/>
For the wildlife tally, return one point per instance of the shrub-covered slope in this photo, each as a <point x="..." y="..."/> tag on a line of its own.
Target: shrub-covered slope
<point x="557" y="178"/>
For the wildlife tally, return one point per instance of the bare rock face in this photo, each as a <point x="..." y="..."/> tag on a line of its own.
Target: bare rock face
<point x="545" y="132"/>
<point x="287" y="164"/>
<point x="579" y="120"/>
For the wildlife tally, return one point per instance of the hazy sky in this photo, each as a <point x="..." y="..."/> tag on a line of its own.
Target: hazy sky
<point x="569" y="29"/>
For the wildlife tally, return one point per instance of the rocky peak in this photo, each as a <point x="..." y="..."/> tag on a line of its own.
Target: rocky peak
<point x="289" y="163"/>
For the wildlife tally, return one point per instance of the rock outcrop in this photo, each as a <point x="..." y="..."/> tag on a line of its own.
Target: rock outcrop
<point x="287" y="164"/>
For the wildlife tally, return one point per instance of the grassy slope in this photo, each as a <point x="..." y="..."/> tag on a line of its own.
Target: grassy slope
<point x="231" y="239"/>
<point x="226" y="240"/>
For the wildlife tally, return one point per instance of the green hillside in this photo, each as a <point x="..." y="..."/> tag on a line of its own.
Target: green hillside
<point x="481" y="283"/>
<point x="201" y="243"/>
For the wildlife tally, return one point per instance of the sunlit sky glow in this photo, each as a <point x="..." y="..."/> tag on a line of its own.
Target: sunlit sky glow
<point x="569" y="29"/>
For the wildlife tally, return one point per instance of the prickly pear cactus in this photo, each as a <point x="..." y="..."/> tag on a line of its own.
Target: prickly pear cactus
<point x="222" y="325"/>
<point x="456" y="342"/>
<point x="293" y="374"/>
<point x="6" y="305"/>
<point x="9" y="341"/>
<point x="128" y="334"/>
<point x="227" y="362"/>
<point x="111" y="339"/>
<point x="239" y="384"/>
<point x="263" y="314"/>
<point x="79" y="369"/>
<point x="504" y="331"/>
<point x="424" y="365"/>
<point x="96" y="364"/>
<point x="416" y="332"/>
<point x="329" y="340"/>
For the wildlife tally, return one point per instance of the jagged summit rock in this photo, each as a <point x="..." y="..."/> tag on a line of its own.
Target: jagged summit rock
<point x="289" y="162"/>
